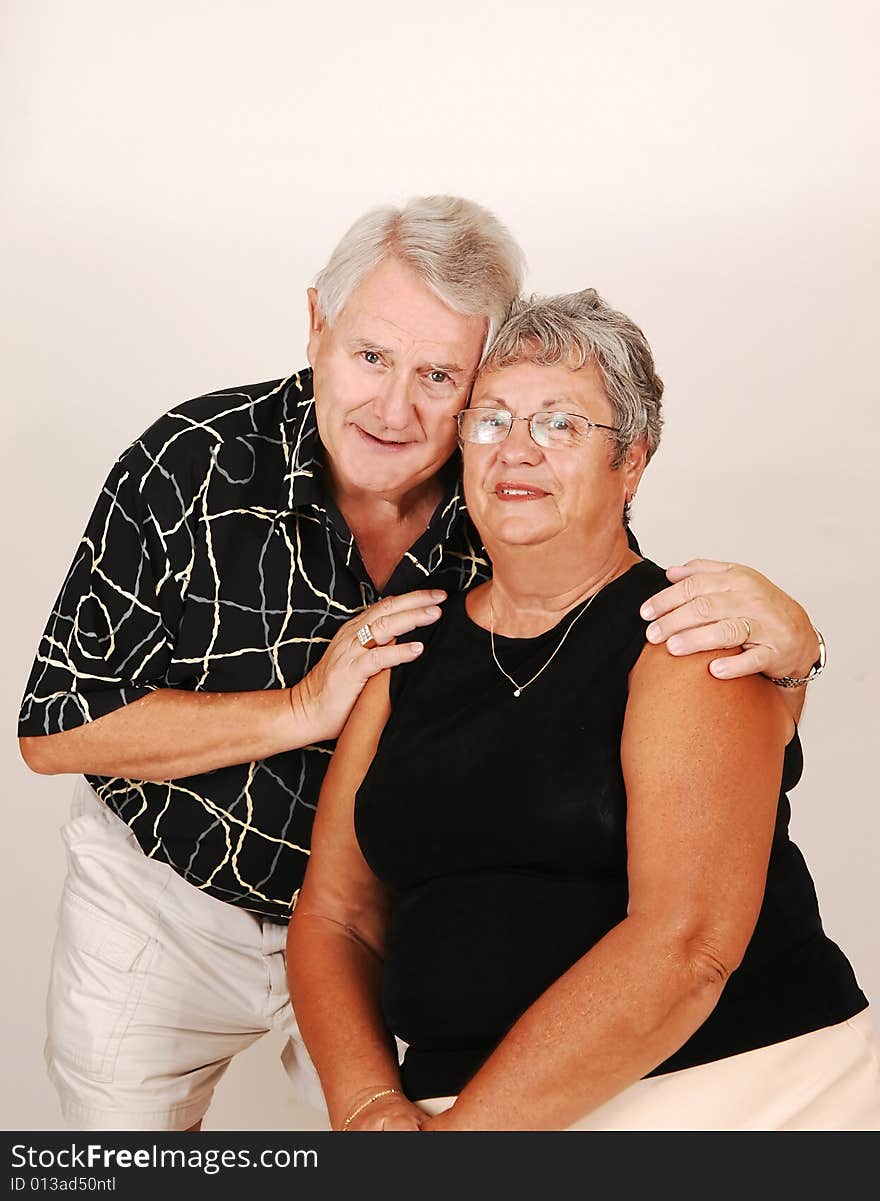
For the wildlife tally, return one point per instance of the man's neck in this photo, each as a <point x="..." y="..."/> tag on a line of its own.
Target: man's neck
<point x="385" y="525"/>
<point x="387" y="511"/>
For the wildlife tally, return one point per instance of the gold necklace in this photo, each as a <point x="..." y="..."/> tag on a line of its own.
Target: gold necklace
<point x="518" y="689"/>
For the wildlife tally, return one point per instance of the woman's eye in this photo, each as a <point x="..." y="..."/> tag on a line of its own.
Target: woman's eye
<point x="559" y="421"/>
<point x="371" y="357"/>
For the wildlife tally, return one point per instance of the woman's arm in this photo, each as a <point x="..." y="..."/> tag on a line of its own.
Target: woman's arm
<point x="702" y="764"/>
<point x="335" y="942"/>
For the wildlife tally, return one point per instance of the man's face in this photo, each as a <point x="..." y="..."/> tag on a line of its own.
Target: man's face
<point x="389" y="376"/>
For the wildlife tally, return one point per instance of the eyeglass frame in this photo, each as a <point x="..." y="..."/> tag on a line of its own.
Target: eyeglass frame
<point x="591" y="425"/>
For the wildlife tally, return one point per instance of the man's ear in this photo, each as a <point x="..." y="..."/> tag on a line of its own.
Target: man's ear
<point x="317" y="325"/>
<point x="316" y="317"/>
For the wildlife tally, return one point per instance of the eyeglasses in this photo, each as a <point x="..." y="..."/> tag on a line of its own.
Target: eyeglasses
<point x="552" y="431"/>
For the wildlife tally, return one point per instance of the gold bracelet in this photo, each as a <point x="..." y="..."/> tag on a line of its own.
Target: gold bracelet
<point x="385" y="1092"/>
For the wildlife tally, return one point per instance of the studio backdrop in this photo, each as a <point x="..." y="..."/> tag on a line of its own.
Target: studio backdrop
<point x="176" y="174"/>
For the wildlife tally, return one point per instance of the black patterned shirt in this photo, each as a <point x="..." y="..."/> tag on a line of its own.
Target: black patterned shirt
<point x="215" y="561"/>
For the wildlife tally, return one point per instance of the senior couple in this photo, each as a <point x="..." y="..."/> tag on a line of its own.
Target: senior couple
<point x="550" y="856"/>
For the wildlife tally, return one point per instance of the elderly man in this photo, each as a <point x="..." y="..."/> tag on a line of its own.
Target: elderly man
<point x="249" y="563"/>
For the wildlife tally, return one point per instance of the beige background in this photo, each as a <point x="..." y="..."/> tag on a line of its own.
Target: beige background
<point x="177" y="172"/>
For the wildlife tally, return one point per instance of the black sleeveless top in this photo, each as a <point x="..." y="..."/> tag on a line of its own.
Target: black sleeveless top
<point x="499" y="823"/>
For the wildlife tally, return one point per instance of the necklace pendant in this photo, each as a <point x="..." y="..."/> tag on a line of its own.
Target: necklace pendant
<point x="517" y="691"/>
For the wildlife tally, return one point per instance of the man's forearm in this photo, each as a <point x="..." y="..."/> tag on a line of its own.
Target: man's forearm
<point x="794" y="698"/>
<point x="173" y="733"/>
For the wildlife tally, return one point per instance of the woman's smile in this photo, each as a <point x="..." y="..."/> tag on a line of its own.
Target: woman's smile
<point x="507" y="490"/>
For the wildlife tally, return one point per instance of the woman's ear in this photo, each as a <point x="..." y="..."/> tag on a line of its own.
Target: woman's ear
<point x="633" y="465"/>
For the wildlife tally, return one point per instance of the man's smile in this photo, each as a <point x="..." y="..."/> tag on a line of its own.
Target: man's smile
<point x="392" y="445"/>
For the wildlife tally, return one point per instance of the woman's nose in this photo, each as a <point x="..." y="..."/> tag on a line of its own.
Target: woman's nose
<point x="519" y="446"/>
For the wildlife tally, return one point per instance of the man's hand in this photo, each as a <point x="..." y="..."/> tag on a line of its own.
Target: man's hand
<point x="705" y="608"/>
<point x="326" y="696"/>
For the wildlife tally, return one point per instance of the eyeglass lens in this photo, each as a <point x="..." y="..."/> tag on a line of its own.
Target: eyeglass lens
<point x="550" y="430"/>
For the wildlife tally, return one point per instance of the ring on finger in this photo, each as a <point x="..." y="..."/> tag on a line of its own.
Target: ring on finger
<point x="748" y="626"/>
<point x="365" y="637"/>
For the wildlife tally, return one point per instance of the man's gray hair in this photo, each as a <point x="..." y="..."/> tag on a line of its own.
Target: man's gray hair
<point x="459" y="249"/>
<point x="580" y="328"/>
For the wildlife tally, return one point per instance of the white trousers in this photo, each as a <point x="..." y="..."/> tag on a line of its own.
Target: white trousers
<point x="826" y="1080"/>
<point x="155" y="986"/>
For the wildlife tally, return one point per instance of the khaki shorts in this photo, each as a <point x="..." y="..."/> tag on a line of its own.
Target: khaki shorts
<point x="155" y="986"/>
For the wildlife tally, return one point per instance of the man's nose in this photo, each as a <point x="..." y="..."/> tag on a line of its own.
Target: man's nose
<point x="519" y="446"/>
<point x="393" y="404"/>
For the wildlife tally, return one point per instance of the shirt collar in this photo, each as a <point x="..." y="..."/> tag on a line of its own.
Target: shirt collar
<point x="427" y="554"/>
<point x="452" y="507"/>
<point x="303" y="452"/>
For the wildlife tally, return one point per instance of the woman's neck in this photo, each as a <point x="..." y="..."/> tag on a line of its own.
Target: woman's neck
<point x="531" y="592"/>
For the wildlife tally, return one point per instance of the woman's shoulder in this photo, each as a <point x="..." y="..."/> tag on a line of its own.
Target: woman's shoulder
<point x="616" y="610"/>
<point x="439" y="639"/>
<point x="643" y="579"/>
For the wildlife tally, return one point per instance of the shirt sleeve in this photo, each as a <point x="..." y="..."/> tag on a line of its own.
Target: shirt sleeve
<point x="109" y="636"/>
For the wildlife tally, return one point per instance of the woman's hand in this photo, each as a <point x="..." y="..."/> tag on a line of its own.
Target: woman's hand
<point x="440" y="1121"/>
<point x="326" y="696"/>
<point x="392" y="1112"/>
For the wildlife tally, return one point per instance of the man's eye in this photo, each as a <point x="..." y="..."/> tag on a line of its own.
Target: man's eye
<point x="371" y="357"/>
<point x="440" y="377"/>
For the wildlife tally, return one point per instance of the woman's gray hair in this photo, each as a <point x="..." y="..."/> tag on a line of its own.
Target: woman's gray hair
<point x="459" y="249"/>
<point x="580" y="328"/>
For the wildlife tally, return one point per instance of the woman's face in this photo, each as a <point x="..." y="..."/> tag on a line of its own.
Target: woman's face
<point x="519" y="493"/>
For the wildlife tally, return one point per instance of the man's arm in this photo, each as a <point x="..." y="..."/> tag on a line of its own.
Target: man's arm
<point x="97" y="701"/>
<point x="171" y="733"/>
<point x="704" y="611"/>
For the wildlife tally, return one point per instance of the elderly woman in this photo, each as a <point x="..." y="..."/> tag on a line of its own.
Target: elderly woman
<point x="551" y="858"/>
